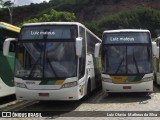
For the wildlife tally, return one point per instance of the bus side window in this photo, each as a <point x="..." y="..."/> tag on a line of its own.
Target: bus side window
<point x="1" y="42"/>
<point x="82" y="60"/>
<point x="1" y="45"/>
<point x="12" y="46"/>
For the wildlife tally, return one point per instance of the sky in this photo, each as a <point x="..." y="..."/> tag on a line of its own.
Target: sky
<point x="26" y="2"/>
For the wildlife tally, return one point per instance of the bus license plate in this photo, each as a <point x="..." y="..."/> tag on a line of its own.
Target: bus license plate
<point x="126" y="87"/>
<point x="44" y="94"/>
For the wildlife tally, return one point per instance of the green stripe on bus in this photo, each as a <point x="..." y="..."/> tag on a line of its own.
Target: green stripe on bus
<point x="47" y="82"/>
<point x="135" y="78"/>
<point x="127" y="79"/>
<point x="7" y="68"/>
<point x="51" y="82"/>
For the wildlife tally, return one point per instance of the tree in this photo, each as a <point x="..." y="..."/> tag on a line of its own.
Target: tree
<point x="54" y="15"/>
<point x="9" y="5"/>
<point x="1" y="3"/>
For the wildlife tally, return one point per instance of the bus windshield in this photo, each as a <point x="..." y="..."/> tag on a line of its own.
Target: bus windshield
<point x="46" y="52"/>
<point x="39" y="60"/>
<point x="126" y="59"/>
<point x="126" y="37"/>
<point x="49" y="32"/>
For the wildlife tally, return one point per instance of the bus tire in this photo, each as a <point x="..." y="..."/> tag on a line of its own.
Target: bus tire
<point x="89" y="87"/>
<point x="155" y="78"/>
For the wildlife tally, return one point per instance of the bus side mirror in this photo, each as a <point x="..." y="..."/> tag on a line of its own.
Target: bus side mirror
<point x="6" y="45"/>
<point x="79" y="46"/>
<point x="154" y="48"/>
<point x="157" y="53"/>
<point x="97" y="49"/>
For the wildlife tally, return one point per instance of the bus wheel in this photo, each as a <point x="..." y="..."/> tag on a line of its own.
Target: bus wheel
<point x="89" y="87"/>
<point x="155" y="78"/>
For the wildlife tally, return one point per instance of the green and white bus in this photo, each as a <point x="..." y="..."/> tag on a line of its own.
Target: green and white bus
<point x="55" y="61"/>
<point x="7" y="63"/>
<point x="127" y="57"/>
<point x="157" y="63"/>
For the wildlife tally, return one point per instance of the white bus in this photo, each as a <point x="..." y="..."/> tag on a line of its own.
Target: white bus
<point x="55" y="61"/>
<point x="127" y="61"/>
<point x="7" y="63"/>
<point x="157" y="63"/>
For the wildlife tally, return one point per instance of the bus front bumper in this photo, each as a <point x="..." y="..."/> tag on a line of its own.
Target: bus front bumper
<point x="137" y="87"/>
<point x="71" y="93"/>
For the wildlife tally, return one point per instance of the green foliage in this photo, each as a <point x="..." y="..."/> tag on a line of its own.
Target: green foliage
<point x="59" y="3"/>
<point x="142" y="18"/>
<point x="53" y="15"/>
<point x="68" y="5"/>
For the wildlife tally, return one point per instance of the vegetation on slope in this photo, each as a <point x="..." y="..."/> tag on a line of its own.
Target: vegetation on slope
<point x="53" y="15"/>
<point x="84" y="11"/>
<point x="142" y="18"/>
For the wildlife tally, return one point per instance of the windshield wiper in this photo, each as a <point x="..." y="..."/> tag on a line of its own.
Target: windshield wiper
<point x="51" y="67"/>
<point x="120" y="65"/>
<point x="30" y="75"/>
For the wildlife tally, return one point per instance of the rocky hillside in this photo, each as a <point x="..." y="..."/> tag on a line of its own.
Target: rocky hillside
<point x="97" y="15"/>
<point x="89" y="11"/>
<point x="95" y="11"/>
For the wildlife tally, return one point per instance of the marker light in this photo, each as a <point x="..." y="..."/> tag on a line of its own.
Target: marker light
<point x="70" y="84"/>
<point x="147" y="79"/>
<point x="106" y="80"/>
<point x="21" y="85"/>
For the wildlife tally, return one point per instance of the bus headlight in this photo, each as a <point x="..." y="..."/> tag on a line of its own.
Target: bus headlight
<point x="70" y="84"/>
<point x="21" y="85"/>
<point x="106" y="80"/>
<point x="147" y="79"/>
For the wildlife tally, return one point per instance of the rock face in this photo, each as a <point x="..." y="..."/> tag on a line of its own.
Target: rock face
<point x="96" y="9"/>
<point x="91" y="10"/>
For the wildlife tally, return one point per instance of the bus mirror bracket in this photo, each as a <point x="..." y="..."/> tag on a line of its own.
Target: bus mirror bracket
<point x="97" y="49"/>
<point x="157" y="53"/>
<point x="6" y="45"/>
<point x="154" y="48"/>
<point x="79" y="46"/>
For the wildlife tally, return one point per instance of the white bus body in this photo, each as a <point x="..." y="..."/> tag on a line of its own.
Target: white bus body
<point x="7" y="62"/>
<point x="127" y="61"/>
<point x="55" y="61"/>
<point x="156" y="63"/>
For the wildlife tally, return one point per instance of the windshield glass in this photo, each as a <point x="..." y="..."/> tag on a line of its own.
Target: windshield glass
<point x="50" y="32"/>
<point x="126" y="37"/>
<point x="37" y="60"/>
<point x="122" y="60"/>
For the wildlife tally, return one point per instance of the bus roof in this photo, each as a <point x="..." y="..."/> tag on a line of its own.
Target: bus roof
<point x="52" y="23"/>
<point x="126" y="30"/>
<point x="10" y="27"/>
